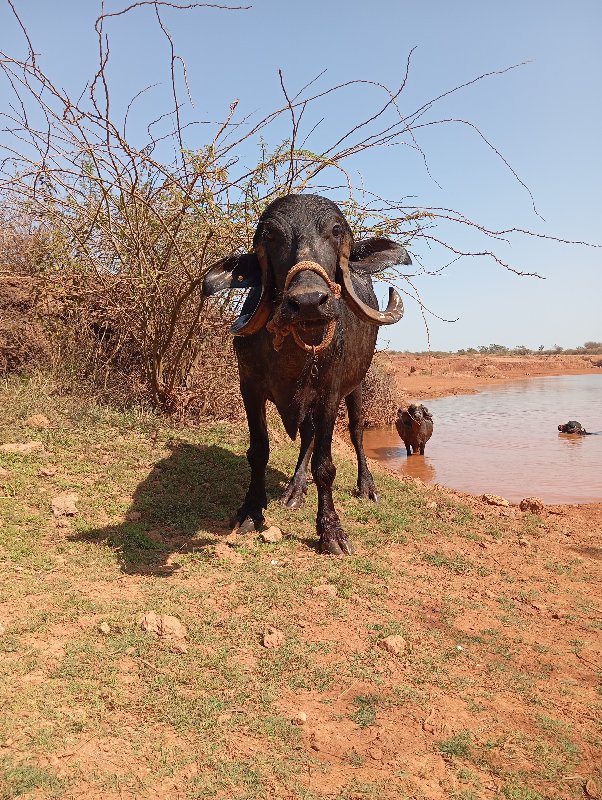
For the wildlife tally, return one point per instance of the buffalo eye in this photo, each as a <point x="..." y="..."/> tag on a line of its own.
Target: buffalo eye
<point x="337" y="230"/>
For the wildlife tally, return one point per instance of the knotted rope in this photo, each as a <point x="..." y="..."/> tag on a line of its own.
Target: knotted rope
<point x="281" y="330"/>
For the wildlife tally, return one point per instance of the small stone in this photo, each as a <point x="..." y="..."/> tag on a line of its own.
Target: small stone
<point x="133" y="516"/>
<point x="541" y="607"/>
<point x="24" y="449"/>
<point x="226" y="553"/>
<point x="2" y="629"/>
<point x="432" y="505"/>
<point x="393" y="644"/>
<point x="559" y="614"/>
<point x="271" y="535"/>
<point x="300" y="718"/>
<point x="179" y="647"/>
<point x="47" y="472"/>
<point x="325" y="590"/>
<point x="376" y="753"/>
<point x="495" y="500"/>
<point x="533" y="504"/>
<point x="104" y="627"/>
<point x="523" y="542"/>
<point x="63" y="505"/>
<point x="37" y="421"/>
<point x="591" y="788"/>
<point x="164" y="626"/>
<point x="272" y="638"/>
<point x="3" y="472"/>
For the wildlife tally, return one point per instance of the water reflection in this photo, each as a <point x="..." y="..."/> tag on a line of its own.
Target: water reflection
<point x="571" y="438"/>
<point x="384" y="445"/>
<point x="505" y="441"/>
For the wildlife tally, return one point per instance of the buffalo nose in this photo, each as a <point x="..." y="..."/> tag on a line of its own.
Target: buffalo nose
<point x="306" y="302"/>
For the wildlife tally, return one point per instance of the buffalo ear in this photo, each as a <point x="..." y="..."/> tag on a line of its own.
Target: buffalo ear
<point x="377" y="254"/>
<point x="233" y="272"/>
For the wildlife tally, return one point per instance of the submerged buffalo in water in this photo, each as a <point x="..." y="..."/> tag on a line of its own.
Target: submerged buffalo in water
<point x="304" y="340"/>
<point x="572" y="426"/>
<point x="415" y="426"/>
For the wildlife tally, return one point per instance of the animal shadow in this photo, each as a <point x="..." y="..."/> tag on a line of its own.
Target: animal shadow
<point x="196" y="488"/>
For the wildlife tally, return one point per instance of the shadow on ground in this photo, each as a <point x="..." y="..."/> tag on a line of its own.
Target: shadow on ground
<point x="180" y="507"/>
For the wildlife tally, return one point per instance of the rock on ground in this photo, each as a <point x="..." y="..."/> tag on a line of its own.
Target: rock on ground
<point x="394" y="644"/>
<point x="64" y="504"/>
<point x="533" y="504"/>
<point x="271" y="535"/>
<point x="165" y="627"/>
<point x="495" y="500"/>
<point x="272" y="638"/>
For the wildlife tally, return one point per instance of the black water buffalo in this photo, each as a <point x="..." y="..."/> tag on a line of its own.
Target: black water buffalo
<point x="415" y="426"/>
<point x="304" y="340"/>
<point x="572" y="426"/>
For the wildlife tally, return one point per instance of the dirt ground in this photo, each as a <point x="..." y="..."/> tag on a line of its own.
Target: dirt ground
<point x="456" y="656"/>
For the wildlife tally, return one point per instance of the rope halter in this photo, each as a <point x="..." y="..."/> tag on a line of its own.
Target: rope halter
<point x="281" y="330"/>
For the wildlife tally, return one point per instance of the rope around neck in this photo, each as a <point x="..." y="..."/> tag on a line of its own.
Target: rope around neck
<point x="280" y="330"/>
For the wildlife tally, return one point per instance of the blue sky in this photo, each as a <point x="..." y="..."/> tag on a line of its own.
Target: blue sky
<point x="544" y="117"/>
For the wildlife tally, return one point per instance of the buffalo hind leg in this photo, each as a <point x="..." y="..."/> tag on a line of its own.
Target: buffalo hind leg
<point x="250" y="515"/>
<point x="333" y="539"/>
<point x="295" y="492"/>
<point x="365" y="481"/>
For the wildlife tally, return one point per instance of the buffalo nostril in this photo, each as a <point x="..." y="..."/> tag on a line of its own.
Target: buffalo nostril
<point x="322" y="299"/>
<point x="293" y="304"/>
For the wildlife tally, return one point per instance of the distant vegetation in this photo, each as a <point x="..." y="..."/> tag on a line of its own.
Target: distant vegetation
<point x="589" y="348"/>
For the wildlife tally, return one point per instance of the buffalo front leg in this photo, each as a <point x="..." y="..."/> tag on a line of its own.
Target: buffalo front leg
<point x="250" y="515"/>
<point x="295" y="492"/>
<point x="333" y="539"/>
<point x="365" y="481"/>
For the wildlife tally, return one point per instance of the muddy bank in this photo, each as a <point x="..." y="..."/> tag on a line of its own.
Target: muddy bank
<point x="425" y="377"/>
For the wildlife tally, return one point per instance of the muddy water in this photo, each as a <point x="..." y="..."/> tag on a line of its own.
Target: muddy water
<point x="505" y="441"/>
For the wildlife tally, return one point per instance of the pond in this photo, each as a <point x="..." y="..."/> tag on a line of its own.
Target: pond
<point x="505" y="441"/>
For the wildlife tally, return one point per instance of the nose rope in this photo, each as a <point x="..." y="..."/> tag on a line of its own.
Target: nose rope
<point x="281" y="330"/>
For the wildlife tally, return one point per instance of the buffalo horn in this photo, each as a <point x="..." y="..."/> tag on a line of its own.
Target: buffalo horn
<point x="393" y="312"/>
<point x="251" y="323"/>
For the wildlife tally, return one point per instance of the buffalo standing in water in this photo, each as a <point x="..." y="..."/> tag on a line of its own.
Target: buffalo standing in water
<point x="415" y="427"/>
<point x="304" y="340"/>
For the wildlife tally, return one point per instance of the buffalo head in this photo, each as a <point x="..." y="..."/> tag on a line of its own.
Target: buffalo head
<point x="302" y="268"/>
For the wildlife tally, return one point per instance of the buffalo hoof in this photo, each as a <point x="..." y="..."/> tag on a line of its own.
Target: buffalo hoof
<point x="336" y="546"/>
<point x="294" y="497"/>
<point x="367" y="492"/>
<point x="245" y="523"/>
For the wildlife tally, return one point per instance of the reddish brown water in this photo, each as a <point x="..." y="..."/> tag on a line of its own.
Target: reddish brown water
<point x="505" y="441"/>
